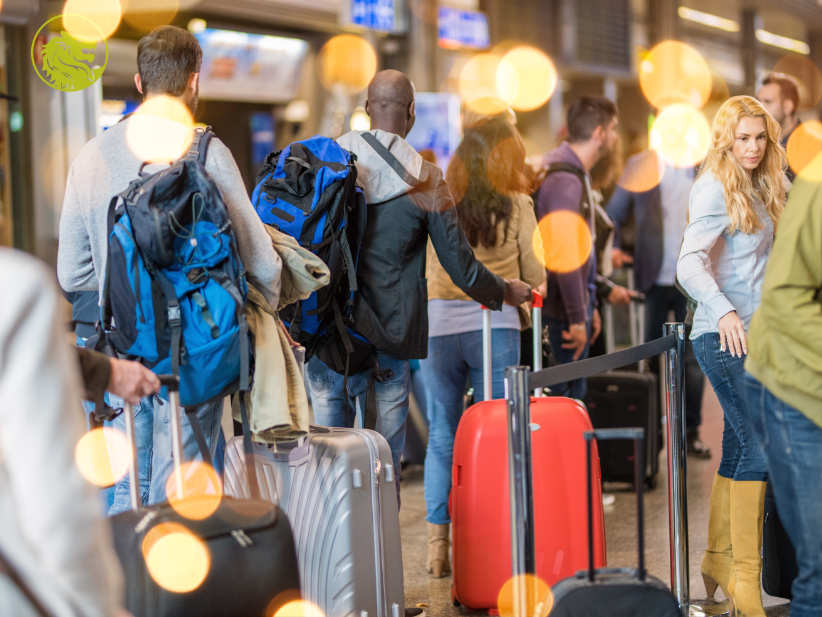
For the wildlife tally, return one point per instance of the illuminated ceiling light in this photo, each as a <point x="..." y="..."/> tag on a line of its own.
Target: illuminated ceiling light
<point x="197" y="25"/>
<point x="769" y="38"/>
<point x="706" y="19"/>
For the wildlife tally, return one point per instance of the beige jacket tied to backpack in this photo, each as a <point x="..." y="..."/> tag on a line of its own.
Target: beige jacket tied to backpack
<point x="274" y="417"/>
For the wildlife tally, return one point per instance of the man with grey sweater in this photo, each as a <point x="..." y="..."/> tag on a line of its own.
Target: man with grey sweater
<point x="169" y="62"/>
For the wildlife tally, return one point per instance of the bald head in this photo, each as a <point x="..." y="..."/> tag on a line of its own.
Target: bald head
<point x="390" y="102"/>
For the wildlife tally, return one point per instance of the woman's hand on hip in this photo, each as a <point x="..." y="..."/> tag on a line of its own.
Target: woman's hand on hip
<point x="732" y="334"/>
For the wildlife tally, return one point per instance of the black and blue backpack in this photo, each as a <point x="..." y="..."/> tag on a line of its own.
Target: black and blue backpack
<point x="308" y="191"/>
<point x="175" y="289"/>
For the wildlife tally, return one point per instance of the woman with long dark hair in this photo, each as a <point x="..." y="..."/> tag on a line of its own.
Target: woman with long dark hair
<point x="486" y="177"/>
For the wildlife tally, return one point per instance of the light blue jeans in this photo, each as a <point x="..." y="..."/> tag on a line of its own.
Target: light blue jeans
<point x="450" y="360"/>
<point x="152" y="424"/>
<point x="792" y="443"/>
<point x="325" y="387"/>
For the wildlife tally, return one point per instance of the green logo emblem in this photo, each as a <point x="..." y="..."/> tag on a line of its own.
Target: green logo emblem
<point x="64" y="62"/>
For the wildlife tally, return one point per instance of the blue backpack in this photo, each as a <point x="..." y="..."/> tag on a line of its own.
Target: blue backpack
<point x="175" y="289"/>
<point x="308" y="191"/>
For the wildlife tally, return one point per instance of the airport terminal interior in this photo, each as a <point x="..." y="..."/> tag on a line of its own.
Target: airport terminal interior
<point x="266" y="263"/>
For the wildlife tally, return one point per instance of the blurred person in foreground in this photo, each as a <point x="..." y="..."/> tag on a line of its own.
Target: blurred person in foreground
<point x="168" y="60"/>
<point x="570" y="308"/>
<point x="486" y="178"/>
<point x="784" y="385"/>
<point x="734" y="209"/>
<point x="408" y="202"/>
<point x="779" y="95"/>
<point x="660" y="214"/>
<point x="50" y="530"/>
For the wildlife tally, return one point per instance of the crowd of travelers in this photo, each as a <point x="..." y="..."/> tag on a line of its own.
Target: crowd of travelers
<point x="436" y="248"/>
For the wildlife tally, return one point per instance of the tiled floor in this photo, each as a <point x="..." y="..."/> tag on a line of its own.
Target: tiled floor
<point x="620" y="523"/>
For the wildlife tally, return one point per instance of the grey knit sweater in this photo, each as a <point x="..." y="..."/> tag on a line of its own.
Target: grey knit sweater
<point x="104" y="168"/>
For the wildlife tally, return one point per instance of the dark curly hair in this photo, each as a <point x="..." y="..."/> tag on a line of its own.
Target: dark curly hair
<point x="486" y="171"/>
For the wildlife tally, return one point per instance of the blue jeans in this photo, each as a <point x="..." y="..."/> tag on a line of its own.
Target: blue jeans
<point x="450" y="360"/>
<point x="742" y="458"/>
<point x="793" y="449"/>
<point x="325" y="387"/>
<point x="152" y="424"/>
<point x="572" y="389"/>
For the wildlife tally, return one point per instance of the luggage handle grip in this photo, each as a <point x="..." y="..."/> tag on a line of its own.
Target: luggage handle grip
<point x="637" y="435"/>
<point x="172" y="382"/>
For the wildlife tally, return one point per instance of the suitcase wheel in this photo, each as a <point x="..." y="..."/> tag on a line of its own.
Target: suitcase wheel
<point x="454" y="600"/>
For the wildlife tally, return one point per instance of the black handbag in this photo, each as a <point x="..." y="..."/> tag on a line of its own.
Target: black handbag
<point x="615" y="592"/>
<point x="779" y="567"/>
<point x="238" y="561"/>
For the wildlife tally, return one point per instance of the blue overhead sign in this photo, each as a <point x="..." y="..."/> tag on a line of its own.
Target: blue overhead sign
<point x="374" y="14"/>
<point x="459" y="29"/>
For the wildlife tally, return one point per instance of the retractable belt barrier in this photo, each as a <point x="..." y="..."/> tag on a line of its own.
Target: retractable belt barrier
<point x="521" y="382"/>
<point x="594" y="366"/>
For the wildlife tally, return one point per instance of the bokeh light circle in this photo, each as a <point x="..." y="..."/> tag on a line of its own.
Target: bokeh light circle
<point x="673" y="72"/>
<point x="176" y="559"/>
<point x="681" y="135"/>
<point x="298" y="608"/>
<point x="348" y="62"/>
<point x="642" y="172"/>
<point x="104" y="14"/>
<point x="526" y="78"/>
<point x="805" y="151"/>
<point x="202" y="491"/>
<point x="538" y="597"/>
<point x="562" y="241"/>
<point x="145" y="15"/>
<point x="478" y="84"/>
<point x="151" y="140"/>
<point x="102" y="456"/>
<point x="807" y="76"/>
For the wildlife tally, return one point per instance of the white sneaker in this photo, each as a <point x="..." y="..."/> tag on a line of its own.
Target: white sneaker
<point x="608" y="499"/>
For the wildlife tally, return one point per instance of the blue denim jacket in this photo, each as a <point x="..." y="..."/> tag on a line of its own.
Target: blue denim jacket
<point x="722" y="271"/>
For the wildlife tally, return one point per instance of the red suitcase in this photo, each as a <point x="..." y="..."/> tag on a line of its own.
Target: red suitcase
<point x="480" y="507"/>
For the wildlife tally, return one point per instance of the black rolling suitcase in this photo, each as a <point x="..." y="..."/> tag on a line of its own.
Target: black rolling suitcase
<point x="250" y="564"/>
<point x="615" y="592"/>
<point x="779" y="567"/>
<point x="618" y="399"/>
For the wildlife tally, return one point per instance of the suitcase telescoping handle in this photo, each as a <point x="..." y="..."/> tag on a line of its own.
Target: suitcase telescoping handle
<point x="536" y="323"/>
<point x="172" y="384"/>
<point x="487" y="386"/>
<point x="637" y="435"/>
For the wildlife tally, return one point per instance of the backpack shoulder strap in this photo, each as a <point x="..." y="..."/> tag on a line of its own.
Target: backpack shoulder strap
<point x="553" y="168"/>
<point x="199" y="144"/>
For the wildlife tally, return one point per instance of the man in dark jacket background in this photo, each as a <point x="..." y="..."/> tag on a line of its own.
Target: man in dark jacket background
<point x="660" y="214"/>
<point x="408" y="202"/>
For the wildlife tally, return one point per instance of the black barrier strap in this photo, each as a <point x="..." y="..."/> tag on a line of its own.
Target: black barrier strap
<point x="594" y="366"/>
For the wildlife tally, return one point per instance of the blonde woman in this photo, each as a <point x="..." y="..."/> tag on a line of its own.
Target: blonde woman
<point x="734" y="208"/>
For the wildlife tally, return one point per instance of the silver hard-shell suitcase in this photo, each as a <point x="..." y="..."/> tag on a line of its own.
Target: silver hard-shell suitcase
<point x="337" y="487"/>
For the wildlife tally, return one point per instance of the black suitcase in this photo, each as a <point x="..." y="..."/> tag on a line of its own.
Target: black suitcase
<point x="250" y="568"/>
<point x="615" y="592"/>
<point x="620" y="399"/>
<point x="779" y="567"/>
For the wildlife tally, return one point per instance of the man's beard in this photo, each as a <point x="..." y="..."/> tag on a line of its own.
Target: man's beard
<point x="192" y="101"/>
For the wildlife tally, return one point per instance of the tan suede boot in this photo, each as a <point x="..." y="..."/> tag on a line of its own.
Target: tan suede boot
<point x="747" y="514"/>
<point x="718" y="560"/>
<point x="438" y="545"/>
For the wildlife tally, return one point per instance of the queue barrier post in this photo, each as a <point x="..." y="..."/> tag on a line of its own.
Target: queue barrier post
<point x="520" y="477"/>
<point x="677" y="465"/>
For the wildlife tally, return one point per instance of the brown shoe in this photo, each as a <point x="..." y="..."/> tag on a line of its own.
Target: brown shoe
<point x="438" y="544"/>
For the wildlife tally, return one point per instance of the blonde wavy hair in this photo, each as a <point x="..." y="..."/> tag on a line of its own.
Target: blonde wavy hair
<point x="768" y="179"/>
